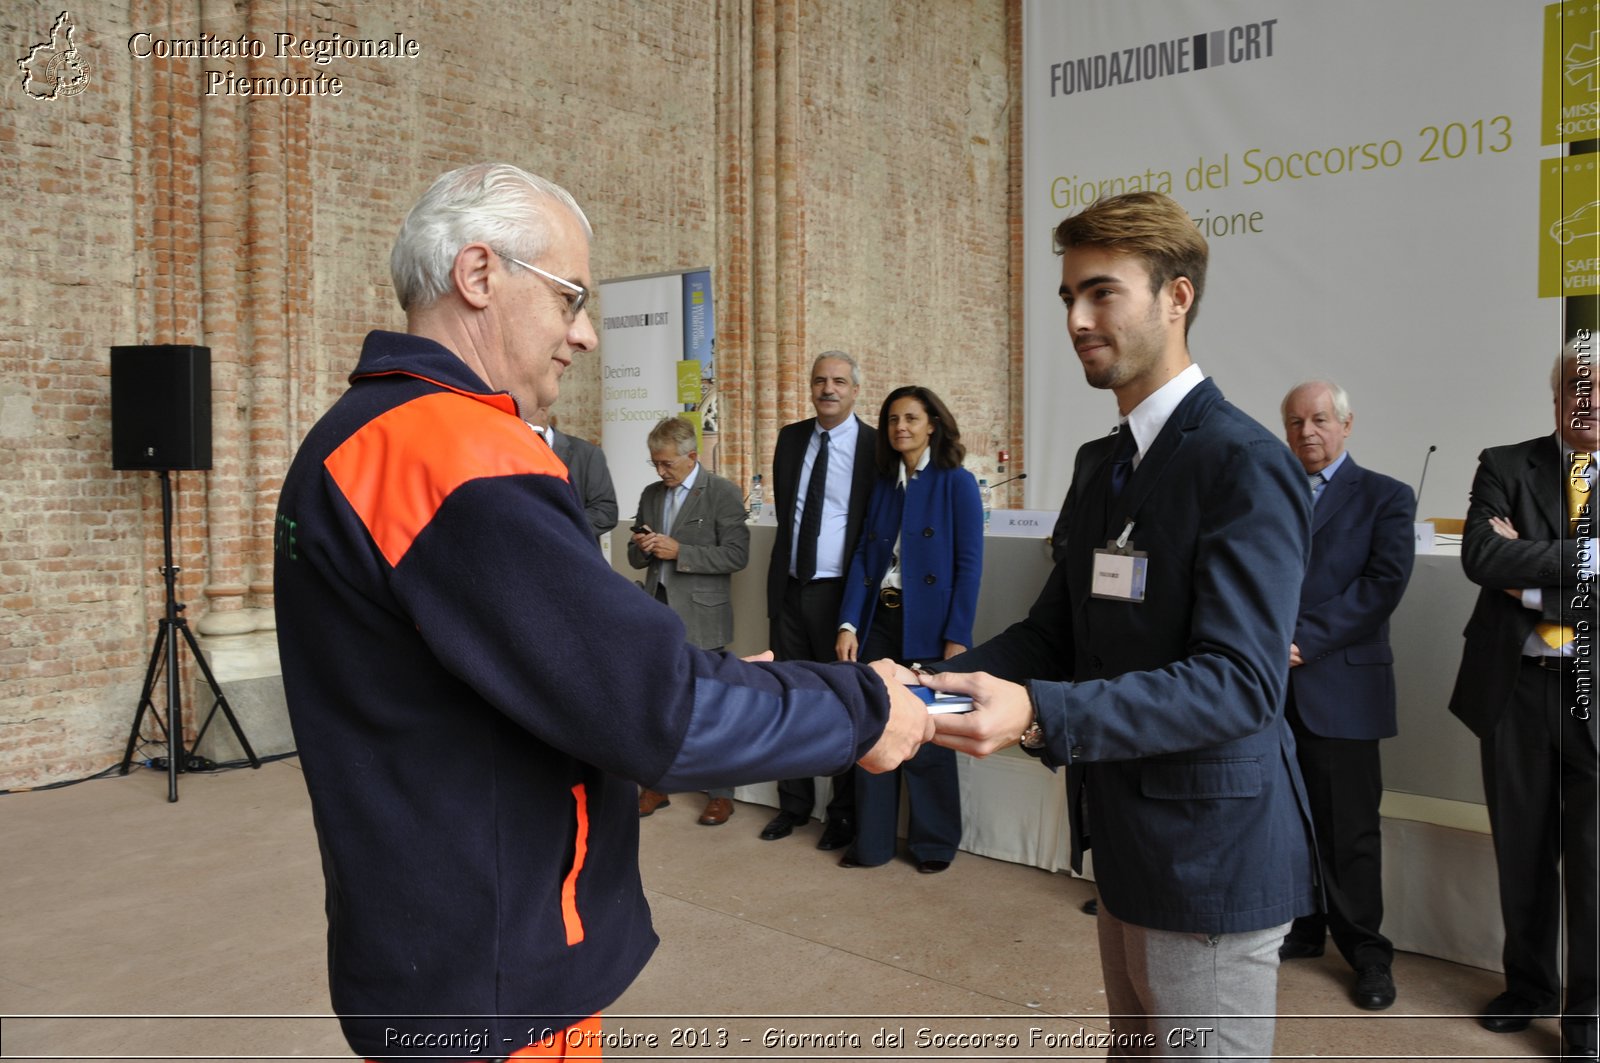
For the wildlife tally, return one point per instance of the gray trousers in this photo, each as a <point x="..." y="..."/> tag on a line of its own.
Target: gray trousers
<point x="1189" y="996"/>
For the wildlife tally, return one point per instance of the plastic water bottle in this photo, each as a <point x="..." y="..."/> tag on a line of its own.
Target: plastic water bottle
<point x="988" y="500"/>
<point x="755" y="498"/>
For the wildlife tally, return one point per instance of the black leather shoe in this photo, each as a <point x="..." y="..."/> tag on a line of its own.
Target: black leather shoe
<point x="932" y="867"/>
<point x="1299" y="950"/>
<point x="1508" y="1013"/>
<point x="836" y="834"/>
<point x="1374" y="987"/>
<point x="780" y="826"/>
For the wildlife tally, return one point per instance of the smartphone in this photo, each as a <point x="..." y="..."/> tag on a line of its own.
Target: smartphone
<point x="642" y="529"/>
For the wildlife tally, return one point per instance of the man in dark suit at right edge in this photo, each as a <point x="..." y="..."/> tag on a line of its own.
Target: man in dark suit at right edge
<point x="1526" y="688"/>
<point x="1156" y="656"/>
<point x="805" y="579"/>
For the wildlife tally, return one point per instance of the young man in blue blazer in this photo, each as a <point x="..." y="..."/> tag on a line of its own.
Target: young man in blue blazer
<point x="1153" y="664"/>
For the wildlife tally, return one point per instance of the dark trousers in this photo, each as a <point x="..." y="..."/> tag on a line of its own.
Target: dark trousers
<point x="1539" y="780"/>
<point x="1344" y="781"/>
<point x="933" y="788"/>
<point x="805" y="629"/>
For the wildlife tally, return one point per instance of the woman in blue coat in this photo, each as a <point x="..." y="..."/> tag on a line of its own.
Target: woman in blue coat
<point x="911" y="595"/>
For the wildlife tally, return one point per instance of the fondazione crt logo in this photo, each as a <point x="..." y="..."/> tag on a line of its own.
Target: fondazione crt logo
<point x="55" y="68"/>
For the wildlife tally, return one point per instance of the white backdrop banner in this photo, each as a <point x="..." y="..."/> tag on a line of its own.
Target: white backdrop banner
<point x="1368" y="176"/>
<point x="641" y="346"/>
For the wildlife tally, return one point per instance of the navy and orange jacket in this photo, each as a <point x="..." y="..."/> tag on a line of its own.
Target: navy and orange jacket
<point x="473" y="691"/>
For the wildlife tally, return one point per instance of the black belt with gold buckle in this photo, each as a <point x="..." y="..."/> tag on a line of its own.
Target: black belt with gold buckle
<point x="890" y="597"/>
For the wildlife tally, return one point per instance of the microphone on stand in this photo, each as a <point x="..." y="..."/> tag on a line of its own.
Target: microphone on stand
<point x="1002" y="483"/>
<point x="1424" y="477"/>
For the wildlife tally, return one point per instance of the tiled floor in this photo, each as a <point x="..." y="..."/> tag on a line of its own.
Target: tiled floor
<point x="167" y="920"/>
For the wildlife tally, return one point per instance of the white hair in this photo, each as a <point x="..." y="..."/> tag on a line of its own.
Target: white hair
<point x="1340" y="397"/>
<point x="494" y="203"/>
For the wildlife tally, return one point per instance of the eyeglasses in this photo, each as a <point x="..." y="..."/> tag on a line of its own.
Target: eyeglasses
<point x="659" y="466"/>
<point x="575" y="303"/>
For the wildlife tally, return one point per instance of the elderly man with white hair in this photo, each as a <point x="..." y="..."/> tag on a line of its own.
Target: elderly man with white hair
<point x="1526" y="688"/>
<point x="1341" y="696"/>
<point x="474" y="692"/>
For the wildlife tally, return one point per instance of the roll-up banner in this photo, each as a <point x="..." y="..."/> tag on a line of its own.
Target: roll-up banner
<point x="649" y="326"/>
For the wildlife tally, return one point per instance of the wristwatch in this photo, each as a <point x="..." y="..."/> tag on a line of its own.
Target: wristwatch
<point x="1033" y="737"/>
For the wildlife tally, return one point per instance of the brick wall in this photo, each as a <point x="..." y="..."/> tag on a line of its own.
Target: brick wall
<point x="847" y="167"/>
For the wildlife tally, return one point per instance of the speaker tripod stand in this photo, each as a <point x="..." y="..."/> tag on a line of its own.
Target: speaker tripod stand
<point x="164" y="657"/>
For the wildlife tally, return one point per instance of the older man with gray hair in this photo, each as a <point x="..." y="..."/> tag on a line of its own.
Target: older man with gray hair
<point x="473" y="690"/>
<point x="1526" y="687"/>
<point x="690" y="537"/>
<point x="1341" y="694"/>
<point x="822" y="476"/>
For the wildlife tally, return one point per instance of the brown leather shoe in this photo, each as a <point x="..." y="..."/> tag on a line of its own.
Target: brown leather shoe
<point x="718" y="809"/>
<point x="649" y="801"/>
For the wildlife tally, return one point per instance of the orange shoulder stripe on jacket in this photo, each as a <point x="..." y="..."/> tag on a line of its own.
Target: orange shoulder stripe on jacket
<point x="399" y="468"/>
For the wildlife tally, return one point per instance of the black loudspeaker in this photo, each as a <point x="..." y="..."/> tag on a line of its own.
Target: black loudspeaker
<point x="161" y="407"/>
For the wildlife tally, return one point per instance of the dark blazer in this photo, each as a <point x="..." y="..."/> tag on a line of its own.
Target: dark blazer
<point x="1362" y="551"/>
<point x="1522" y="482"/>
<point x="591" y="478"/>
<point x="941" y="559"/>
<point x="788" y="459"/>
<point x="713" y="544"/>
<point x="1168" y="713"/>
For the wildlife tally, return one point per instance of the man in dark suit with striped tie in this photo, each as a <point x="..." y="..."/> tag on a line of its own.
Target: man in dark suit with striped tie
<point x="1526" y="688"/>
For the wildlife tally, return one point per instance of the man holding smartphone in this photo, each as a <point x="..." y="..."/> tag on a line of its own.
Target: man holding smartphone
<point x="690" y="538"/>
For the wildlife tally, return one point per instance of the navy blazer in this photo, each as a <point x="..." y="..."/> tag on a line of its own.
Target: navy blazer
<point x="1522" y="482"/>
<point x="788" y="460"/>
<point x="1168" y="713"/>
<point x="941" y="559"/>
<point x="1362" y="551"/>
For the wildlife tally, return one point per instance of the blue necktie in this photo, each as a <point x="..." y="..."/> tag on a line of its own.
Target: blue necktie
<point x="670" y="513"/>
<point x="805" y="561"/>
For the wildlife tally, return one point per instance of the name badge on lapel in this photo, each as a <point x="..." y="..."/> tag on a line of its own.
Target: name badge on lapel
<point x="1119" y="570"/>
